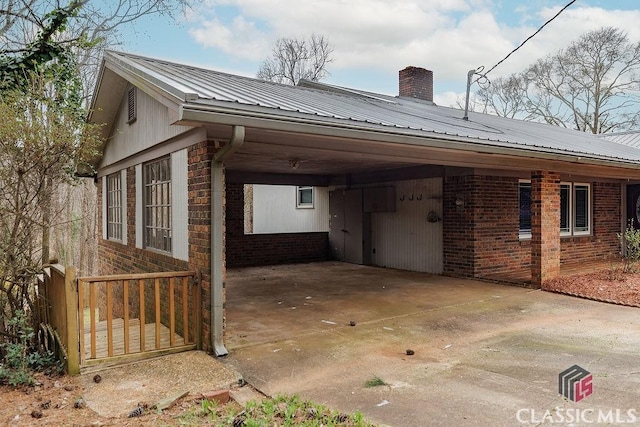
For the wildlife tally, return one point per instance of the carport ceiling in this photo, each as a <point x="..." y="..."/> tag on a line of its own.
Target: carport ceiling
<point x="268" y="158"/>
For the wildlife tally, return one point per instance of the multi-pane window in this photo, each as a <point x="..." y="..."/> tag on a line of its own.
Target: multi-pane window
<point x="157" y="204"/>
<point x="575" y="209"/>
<point x="304" y="197"/>
<point x="114" y="206"/>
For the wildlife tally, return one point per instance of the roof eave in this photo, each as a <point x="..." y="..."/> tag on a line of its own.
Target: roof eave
<point x="190" y="113"/>
<point x="133" y="73"/>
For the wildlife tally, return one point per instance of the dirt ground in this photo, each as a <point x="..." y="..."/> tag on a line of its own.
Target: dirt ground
<point x="83" y="401"/>
<point x="53" y="403"/>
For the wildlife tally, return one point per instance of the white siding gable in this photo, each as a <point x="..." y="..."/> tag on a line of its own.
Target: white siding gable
<point x="152" y="126"/>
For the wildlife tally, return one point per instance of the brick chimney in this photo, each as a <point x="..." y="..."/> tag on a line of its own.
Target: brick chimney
<point x="417" y="83"/>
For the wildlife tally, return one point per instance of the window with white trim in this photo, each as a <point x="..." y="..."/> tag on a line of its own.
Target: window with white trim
<point x="575" y="209"/>
<point x="114" y="206"/>
<point x="157" y="204"/>
<point x="304" y="198"/>
<point x="582" y="209"/>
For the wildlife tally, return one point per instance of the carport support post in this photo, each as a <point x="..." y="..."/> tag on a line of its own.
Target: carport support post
<point x="545" y="227"/>
<point x="217" y="239"/>
<point x="217" y="258"/>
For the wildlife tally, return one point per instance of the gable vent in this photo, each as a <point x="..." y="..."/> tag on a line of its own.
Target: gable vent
<point x="131" y="105"/>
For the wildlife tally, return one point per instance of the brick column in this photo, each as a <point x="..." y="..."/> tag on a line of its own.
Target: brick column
<point x="545" y="226"/>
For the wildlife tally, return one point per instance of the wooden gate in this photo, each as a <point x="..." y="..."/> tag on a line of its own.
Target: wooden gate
<point x="134" y="316"/>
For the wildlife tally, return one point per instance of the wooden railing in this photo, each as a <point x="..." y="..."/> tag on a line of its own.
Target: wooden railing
<point x="129" y="316"/>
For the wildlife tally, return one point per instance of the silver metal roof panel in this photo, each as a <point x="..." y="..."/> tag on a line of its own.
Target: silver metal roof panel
<point x="342" y="106"/>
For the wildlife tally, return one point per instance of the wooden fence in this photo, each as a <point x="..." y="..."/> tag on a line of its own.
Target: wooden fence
<point x="58" y="311"/>
<point x="112" y="319"/>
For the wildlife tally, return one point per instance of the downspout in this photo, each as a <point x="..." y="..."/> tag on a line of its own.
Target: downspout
<point x="217" y="238"/>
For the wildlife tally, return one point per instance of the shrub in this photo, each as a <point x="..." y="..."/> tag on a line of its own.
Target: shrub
<point x="630" y="247"/>
<point x="20" y="359"/>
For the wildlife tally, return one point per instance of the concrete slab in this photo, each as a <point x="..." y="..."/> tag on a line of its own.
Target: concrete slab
<point x="485" y="354"/>
<point x="152" y="380"/>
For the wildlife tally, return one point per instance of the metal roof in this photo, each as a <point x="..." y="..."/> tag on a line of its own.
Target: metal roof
<point x="630" y="139"/>
<point x="343" y="107"/>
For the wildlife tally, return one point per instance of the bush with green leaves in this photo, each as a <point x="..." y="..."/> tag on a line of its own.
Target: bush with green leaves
<point x="630" y="246"/>
<point x="20" y="358"/>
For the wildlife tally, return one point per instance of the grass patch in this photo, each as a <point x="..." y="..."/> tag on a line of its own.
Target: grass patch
<point x="278" y="411"/>
<point x="374" y="382"/>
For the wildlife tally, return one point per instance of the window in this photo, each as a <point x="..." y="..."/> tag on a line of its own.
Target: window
<point x="304" y="197"/>
<point x="575" y="209"/>
<point x="525" y="209"/>
<point x="157" y="204"/>
<point x="582" y="205"/>
<point x="131" y="105"/>
<point x="114" y="206"/>
<point x="565" y="209"/>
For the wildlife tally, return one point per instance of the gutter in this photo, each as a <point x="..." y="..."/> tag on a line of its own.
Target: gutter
<point x="217" y="239"/>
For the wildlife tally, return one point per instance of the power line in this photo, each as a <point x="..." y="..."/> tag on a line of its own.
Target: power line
<point x="529" y="38"/>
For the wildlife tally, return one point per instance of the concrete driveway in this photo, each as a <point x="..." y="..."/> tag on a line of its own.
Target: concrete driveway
<point x="485" y="354"/>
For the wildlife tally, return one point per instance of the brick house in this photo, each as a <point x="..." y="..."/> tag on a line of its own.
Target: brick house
<point x="411" y="185"/>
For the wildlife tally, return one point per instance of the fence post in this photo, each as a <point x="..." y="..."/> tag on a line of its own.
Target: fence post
<point x="71" y="300"/>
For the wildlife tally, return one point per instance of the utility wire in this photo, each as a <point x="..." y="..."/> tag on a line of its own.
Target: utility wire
<point x="529" y="38"/>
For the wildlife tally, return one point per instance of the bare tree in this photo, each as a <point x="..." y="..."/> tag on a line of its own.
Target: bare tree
<point x="505" y="96"/>
<point x="294" y="59"/>
<point x="42" y="143"/>
<point x="96" y="26"/>
<point x="591" y="86"/>
<point x="49" y="52"/>
<point x="30" y="34"/>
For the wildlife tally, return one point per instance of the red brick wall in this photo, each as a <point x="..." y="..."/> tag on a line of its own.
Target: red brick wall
<point x="499" y="251"/>
<point x="266" y="249"/>
<point x="480" y="238"/>
<point x="458" y="226"/>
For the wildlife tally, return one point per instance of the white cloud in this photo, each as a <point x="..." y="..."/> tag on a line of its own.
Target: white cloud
<point x="448" y="37"/>
<point x="239" y="38"/>
<point x="449" y="99"/>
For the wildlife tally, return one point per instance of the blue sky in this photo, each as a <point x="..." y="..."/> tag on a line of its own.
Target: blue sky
<point x="373" y="39"/>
